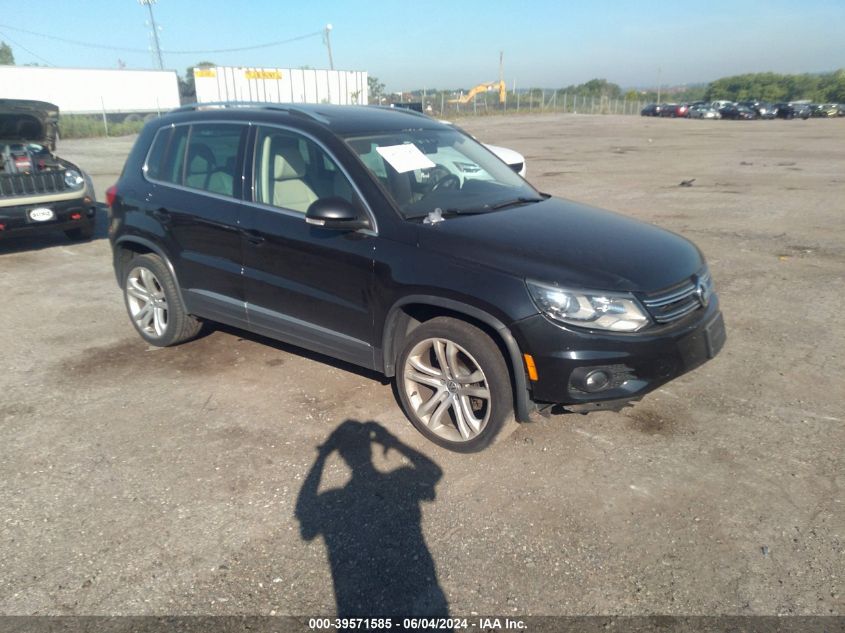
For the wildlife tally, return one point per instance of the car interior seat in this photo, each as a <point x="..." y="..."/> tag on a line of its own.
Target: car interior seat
<point x="201" y="165"/>
<point x="289" y="189"/>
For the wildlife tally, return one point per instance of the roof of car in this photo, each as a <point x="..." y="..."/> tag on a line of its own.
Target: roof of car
<point x="340" y="119"/>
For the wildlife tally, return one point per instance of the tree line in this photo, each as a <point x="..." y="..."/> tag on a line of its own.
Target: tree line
<point x="773" y="87"/>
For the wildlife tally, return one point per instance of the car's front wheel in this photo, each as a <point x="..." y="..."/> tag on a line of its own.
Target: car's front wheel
<point x="154" y="304"/>
<point x="454" y="385"/>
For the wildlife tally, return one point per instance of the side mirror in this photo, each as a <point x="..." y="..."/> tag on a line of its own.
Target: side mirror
<point x="335" y="213"/>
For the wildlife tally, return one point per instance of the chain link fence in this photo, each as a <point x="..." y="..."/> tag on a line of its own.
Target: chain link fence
<point x="530" y="101"/>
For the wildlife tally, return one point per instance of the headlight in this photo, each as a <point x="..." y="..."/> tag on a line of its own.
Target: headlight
<point x="618" y="312"/>
<point x="73" y="179"/>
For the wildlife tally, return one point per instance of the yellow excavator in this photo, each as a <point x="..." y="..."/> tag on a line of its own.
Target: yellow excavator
<point x="489" y="86"/>
<point x="492" y="85"/>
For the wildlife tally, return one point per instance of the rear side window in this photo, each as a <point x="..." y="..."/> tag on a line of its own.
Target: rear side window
<point x="212" y="158"/>
<point x="156" y="155"/>
<point x="202" y="156"/>
<point x="167" y="155"/>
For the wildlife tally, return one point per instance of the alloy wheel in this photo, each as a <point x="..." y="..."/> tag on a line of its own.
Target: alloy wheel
<point x="147" y="302"/>
<point x="447" y="389"/>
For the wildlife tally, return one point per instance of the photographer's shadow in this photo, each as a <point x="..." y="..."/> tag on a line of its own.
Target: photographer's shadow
<point x="380" y="564"/>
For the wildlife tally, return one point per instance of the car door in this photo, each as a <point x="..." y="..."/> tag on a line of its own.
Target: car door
<point x="198" y="204"/>
<point x="305" y="284"/>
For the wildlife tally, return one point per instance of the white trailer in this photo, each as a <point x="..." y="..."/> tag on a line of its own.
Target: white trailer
<point x="280" y="85"/>
<point x="93" y="91"/>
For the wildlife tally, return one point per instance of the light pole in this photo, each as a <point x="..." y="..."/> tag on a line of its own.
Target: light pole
<point x="658" y="84"/>
<point x="329" y="45"/>
<point x="149" y="4"/>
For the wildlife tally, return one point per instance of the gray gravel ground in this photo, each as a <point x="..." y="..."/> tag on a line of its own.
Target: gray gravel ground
<point x="136" y="480"/>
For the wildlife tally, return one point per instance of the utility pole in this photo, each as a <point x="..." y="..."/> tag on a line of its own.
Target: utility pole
<point x="149" y="4"/>
<point x="329" y="45"/>
<point x="658" y="84"/>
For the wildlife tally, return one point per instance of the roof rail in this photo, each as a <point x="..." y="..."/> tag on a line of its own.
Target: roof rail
<point x="402" y="110"/>
<point x="262" y="105"/>
<point x="230" y="104"/>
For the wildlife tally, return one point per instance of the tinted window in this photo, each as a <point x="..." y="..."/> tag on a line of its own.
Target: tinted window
<point x="292" y="171"/>
<point x="156" y="155"/>
<point x="167" y="155"/>
<point x="212" y="157"/>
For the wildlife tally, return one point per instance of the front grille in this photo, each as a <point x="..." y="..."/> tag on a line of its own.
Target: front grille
<point x="681" y="299"/>
<point x="12" y="185"/>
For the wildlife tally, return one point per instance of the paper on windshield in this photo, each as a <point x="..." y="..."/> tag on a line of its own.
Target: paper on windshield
<point x="405" y="157"/>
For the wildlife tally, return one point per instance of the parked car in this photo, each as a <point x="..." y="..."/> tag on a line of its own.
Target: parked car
<point x="392" y="241"/>
<point x="792" y="110"/>
<point x="704" y="111"/>
<point x="39" y="192"/>
<point x="681" y="110"/>
<point x="721" y="103"/>
<point x="737" y="112"/>
<point x="652" y="109"/>
<point x="511" y="157"/>
<point x="824" y="110"/>
<point x="764" y="110"/>
<point x="668" y="109"/>
<point x="801" y="111"/>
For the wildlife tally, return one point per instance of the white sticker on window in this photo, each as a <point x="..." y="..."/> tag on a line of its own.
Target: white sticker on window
<point x="405" y="157"/>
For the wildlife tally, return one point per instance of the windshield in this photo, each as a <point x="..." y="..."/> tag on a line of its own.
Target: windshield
<point x="424" y="170"/>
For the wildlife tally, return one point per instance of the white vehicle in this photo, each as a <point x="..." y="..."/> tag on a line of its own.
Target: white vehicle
<point x="118" y="93"/>
<point x="721" y="103"/>
<point x="216" y="84"/>
<point x="704" y="111"/>
<point x="514" y="159"/>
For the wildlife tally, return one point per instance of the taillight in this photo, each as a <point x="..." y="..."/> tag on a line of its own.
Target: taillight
<point x="111" y="194"/>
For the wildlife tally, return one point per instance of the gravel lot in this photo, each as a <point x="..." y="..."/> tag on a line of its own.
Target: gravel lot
<point x="135" y="480"/>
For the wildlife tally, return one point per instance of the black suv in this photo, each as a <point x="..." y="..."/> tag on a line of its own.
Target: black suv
<point x="392" y="241"/>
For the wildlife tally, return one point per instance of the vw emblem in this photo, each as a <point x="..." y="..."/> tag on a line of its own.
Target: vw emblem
<point x="703" y="294"/>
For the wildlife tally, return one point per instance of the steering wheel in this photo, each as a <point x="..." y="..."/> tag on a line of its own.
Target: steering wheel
<point x="449" y="181"/>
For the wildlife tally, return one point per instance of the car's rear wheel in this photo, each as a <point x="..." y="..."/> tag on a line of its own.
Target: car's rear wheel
<point x="454" y="385"/>
<point x="154" y="304"/>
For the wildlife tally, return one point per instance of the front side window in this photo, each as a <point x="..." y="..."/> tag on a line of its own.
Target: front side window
<point x="424" y="170"/>
<point x="292" y="172"/>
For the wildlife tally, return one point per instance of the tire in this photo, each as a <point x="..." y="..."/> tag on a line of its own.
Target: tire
<point x="153" y="303"/>
<point x="465" y="407"/>
<point x="81" y="234"/>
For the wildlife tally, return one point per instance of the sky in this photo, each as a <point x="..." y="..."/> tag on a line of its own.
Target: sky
<point x="445" y="44"/>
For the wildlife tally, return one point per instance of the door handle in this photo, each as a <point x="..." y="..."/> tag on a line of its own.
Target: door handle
<point x="254" y="237"/>
<point x="162" y="215"/>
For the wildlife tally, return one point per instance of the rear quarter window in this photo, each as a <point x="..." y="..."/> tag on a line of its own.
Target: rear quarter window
<point x="167" y="155"/>
<point x="156" y="155"/>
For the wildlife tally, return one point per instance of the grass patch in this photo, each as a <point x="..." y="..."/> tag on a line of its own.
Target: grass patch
<point x="82" y="126"/>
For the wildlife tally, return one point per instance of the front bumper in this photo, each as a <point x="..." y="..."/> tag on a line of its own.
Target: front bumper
<point x="636" y="363"/>
<point x="67" y="214"/>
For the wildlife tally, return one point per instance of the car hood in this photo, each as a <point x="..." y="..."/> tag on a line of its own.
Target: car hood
<point x="30" y="121"/>
<point x="558" y="241"/>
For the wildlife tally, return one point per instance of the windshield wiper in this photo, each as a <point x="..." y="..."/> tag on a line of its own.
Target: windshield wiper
<point x="514" y="202"/>
<point x="435" y="216"/>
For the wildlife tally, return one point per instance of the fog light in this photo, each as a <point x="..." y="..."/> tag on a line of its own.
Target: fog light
<point x="596" y="380"/>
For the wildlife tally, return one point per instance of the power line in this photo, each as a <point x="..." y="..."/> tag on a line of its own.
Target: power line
<point x="246" y="48"/>
<point x="25" y="49"/>
<point x="124" y="49"/>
